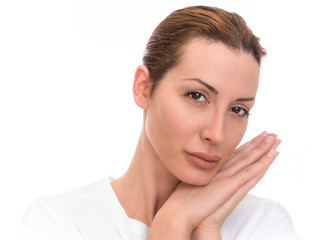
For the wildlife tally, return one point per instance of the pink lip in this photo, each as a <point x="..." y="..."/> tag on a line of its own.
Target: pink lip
<point x="205" y="156"/>
<point x="203" y="160"/>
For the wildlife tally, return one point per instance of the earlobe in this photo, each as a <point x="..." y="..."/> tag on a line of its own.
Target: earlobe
<point x="140" y="86"/>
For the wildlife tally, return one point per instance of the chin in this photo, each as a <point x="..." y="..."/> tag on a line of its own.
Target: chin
<point x="198" y="178"/>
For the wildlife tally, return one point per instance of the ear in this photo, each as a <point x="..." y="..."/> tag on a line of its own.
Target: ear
<point x="141" y="86"/>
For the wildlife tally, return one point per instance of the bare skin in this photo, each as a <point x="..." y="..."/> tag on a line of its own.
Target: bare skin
<point x="164" y="187"/>
<point x="231" y="185"/>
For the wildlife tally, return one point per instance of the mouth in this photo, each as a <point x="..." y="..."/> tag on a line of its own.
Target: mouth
<point x="203" y="160"/>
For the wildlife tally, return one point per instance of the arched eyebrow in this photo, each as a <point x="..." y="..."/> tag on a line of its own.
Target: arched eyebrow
<point x="212" y="89"/>
<point x="245" y="99"/>
<point x="215" y="91"/>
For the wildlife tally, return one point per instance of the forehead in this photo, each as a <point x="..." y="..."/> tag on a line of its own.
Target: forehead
<point x="218" y="64"/>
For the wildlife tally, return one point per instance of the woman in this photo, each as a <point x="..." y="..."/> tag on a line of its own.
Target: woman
<point x="196" y="87"/>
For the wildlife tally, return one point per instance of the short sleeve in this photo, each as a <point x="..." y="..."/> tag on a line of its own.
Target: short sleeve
<point x="282" y="227"/>
<point x="38" y="225"/>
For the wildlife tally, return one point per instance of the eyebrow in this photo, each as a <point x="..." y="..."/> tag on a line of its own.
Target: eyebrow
<point x="245" y="99"/>
<point x="215" y="91"/>
<point x="212" y="89"/>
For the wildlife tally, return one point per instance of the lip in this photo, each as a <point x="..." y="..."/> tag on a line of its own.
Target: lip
<point x="203" y="160"/>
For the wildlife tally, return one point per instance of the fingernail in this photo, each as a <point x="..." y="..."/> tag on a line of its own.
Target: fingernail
<point x="263" y="134"/>
<point x="271" y="153"/>
<point x="269" y="139"/>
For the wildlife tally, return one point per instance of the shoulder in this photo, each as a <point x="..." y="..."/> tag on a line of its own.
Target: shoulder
<point x="63" y="214"/>
<point x="253" y="206"/>
<point x="255" y="217"/>
<point x="38" y="224"/>
<point x="71" y="202"/>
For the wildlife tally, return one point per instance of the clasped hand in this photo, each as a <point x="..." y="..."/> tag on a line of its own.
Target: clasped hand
<point x="198" y="212"/>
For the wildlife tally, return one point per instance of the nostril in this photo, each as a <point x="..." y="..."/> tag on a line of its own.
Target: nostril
<point x="208" y="139"/>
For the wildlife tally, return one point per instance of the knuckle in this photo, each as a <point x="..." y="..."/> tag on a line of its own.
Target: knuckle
<point x="230" y="185"/>
<point x="256" y="140"/>
<point x="262" y="147"/>
<point x="250" y="171"/>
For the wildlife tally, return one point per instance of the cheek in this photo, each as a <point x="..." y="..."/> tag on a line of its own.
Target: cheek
<point x="174" y="121"/>
<point x="168" y="127"/>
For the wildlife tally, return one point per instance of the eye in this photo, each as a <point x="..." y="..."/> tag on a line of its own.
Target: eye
<point x="241" y="112"/>
<point x="196" y="96"/>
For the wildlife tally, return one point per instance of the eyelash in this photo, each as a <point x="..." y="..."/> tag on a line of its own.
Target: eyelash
<point x="233" y="109"/>
<point x="246" y="112"/>
<point x="190" y="93"/>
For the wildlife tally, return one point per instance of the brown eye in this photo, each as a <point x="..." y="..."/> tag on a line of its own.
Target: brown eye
<point x="196" y="96"/>
<point x="241" y="112"/>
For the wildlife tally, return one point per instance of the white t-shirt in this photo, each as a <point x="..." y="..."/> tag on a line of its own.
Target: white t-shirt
<point x="93" y="212"/>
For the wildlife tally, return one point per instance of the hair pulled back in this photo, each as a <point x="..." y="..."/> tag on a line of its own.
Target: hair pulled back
<point x="164" y="48"/>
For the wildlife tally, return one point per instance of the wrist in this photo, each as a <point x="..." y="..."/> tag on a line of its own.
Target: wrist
<point x="169" y="225"/>
<point x="213" y="234"/>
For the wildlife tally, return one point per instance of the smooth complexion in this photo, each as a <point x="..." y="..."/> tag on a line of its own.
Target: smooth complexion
<point x="186" y="116"/>
<point x="193" y="121"/>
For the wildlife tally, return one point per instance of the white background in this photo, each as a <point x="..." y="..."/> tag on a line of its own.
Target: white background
<point x="67" y="116"/>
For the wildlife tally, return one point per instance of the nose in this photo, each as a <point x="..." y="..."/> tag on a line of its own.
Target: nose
<point x="213" y="130"/>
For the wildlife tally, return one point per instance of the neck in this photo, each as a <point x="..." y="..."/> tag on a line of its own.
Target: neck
<point x="147" y="184"/>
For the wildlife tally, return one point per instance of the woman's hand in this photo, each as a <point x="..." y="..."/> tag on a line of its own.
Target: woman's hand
<point x="199" y="211"/>
<point x="248" y="164"/>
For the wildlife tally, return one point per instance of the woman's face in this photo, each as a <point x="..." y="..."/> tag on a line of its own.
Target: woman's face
<point x="199" y="112"/>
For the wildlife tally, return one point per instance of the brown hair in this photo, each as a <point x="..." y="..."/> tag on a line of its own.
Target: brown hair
<point x="163" y="50"/>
